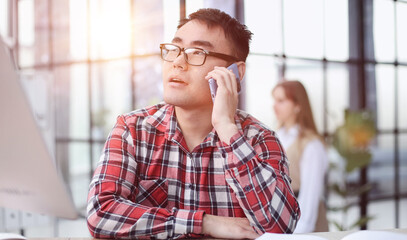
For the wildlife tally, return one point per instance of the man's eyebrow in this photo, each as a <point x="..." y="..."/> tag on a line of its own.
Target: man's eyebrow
<point x="204" y="44"/>
<point x="176" y="40"/>
<point x="198" y="43"/>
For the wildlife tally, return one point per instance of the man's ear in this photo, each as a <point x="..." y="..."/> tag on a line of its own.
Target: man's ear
<point x="241" y="67"/>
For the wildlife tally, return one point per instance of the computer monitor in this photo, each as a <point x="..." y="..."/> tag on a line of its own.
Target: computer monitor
<point x="28" y="175"/>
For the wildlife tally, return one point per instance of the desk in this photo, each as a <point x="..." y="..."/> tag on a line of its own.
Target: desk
<point x="341" y="234"/>
<point x="327" y="235"/>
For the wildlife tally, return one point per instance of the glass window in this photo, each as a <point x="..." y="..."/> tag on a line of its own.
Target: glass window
<point x="171" y="9"/>
<point x="111" y="95"/>
<point x="385" y="90"/>
<point x="79" y="166"/>
<point x="193" y="5"/>
<point x="402" y="31"/>
<point x="148" y="25"/>
<point x="337" y="95"/>
<point x="336" y="30"/>
<point x="97" y="149"/>
<point x="264" y="20"/>
<point x="33" y="33"/>
<point x="402" y="154"/>
<point x="381" y="169"/>
<point x="303" y="28"/>
<point x="60" y="31"/>
<point x="110" y="29"/>
<point x="310" y="74"/>
<point x="72" y="101"/>
<point x="148" y="81"/>
<point x="383" y="30"/>
<point x="260" y="78"/>
<point x="402" y="97"/>
<point x="4" y="16"/>
<point x="403" y="217"/>
<point x="380" y="210"/>
<point x="78" y="30"/>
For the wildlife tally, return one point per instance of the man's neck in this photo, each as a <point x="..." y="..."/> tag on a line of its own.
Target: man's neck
<point x="195" y="124"/>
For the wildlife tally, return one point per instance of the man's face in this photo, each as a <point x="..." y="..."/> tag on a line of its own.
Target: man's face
<point x="185" y="85"/>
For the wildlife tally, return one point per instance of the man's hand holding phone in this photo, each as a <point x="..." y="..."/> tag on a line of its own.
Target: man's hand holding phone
<point x="225" y="100"/>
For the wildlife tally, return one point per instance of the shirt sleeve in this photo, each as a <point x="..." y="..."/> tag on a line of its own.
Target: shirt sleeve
<point x="112" y="208"/>
<point x="313" y="165"/>
<point x="257" y="171"/>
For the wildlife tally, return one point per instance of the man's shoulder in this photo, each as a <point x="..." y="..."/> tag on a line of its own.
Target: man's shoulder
<point x="251" y="123"/>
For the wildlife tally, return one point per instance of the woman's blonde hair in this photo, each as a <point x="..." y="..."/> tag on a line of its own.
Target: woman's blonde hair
<point x="295" y="91"/>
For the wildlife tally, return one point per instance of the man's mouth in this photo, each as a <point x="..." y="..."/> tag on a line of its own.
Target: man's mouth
<point x="177" y="80"/>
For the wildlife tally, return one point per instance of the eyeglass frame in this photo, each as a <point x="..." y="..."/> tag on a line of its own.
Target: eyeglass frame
<point x="225" y="57"/>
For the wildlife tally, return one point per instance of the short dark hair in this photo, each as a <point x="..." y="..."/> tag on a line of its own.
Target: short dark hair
<point x="234" y="31"/>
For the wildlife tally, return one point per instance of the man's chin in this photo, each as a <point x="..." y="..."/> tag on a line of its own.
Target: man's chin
<point x="183" y="102"/>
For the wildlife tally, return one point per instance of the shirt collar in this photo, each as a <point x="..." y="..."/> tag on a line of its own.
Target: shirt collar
<point x="164" y="120"/>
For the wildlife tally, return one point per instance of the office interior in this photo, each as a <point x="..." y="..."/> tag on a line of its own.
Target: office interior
<point x="87" y="61"/>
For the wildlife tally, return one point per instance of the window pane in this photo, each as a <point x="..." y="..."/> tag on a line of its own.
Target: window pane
<point x="111" y="95"/>
<point x="79" y="165"/>
<point x="148" y="27"/>
<point x="193" y="5"/>
<point x="110" y="28"/>
<point x="260" y="78"/>
<point x="265" y="39"/>
<point x="385" y="89"/>
<point x="402" y="31"/>
<point x="303" y="28"/>
<point x="402" y="154"/>
<point x="381" y="169"/>
<point x="4" y="17"/>
<point x="383" y="213"/>
<point x="78" y="30"/>
<point x="383" y="30"/>
<point x="337" y="30"/>
<point x="60" y="31"/>
<point x="33" y="32"/>
<point x="79" y="101"/>
<point x="402" y="97"/>
<point x="148" y="81"/>
<point x="337" y="95"/>
<point x="171" y="14"/>
<point x="403" y="209"/>
<point x="72" y="108"/>
<point x="310" y="74"/>
<point x="97" y="149"/>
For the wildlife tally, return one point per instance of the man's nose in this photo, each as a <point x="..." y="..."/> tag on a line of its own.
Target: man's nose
<point x="180" y="61"/>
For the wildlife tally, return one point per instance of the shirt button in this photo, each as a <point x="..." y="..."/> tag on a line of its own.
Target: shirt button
<point x="223" y="155"/>
<point x="247" y="188"/>
<point x="191" y="186"/>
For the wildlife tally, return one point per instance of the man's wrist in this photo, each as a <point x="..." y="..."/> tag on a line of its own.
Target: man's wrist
<point x="226" y="132"/>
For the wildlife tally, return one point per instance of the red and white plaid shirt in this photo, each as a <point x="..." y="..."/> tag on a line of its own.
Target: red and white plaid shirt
<point x="148" y="184"/>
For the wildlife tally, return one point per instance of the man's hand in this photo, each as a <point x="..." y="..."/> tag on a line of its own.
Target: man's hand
<point x="225" y="105"/>
<point x="227" y="227"/>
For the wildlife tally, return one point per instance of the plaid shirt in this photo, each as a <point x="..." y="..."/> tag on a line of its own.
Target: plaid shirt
<point x="148" y="184"/>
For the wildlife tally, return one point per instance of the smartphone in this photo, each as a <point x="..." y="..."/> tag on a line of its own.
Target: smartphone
<point x="212" y="82"/>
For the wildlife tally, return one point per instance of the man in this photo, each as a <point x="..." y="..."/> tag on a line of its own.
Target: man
<point x="191" y="167"/>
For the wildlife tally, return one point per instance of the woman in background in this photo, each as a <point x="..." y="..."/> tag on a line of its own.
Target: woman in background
<point x="305" y="152"/>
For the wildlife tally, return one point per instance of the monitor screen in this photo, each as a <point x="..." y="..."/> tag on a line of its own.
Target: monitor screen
<point x="28" y="176"/>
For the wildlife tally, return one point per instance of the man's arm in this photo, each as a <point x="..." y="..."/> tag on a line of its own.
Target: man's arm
<point x="256" y="169"/>
<point x="113" y="211"/>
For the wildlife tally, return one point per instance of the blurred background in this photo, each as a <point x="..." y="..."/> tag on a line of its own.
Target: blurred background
<point x="84" y="62"/>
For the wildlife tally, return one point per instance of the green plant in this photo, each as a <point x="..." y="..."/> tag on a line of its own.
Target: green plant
<point x="352" y="141"/>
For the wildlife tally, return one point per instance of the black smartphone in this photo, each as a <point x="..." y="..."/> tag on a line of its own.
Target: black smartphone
<point x="212" y="82"/>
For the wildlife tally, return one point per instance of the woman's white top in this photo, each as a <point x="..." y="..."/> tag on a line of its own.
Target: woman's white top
<point x="313" y="166"/>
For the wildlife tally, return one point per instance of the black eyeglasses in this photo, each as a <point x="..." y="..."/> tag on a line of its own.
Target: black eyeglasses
<point x="193" y="56"/>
